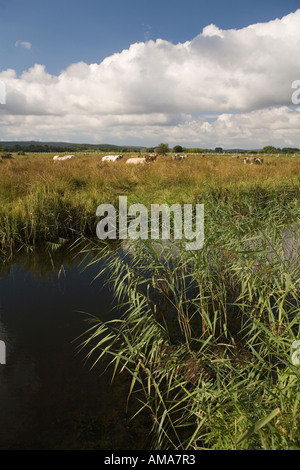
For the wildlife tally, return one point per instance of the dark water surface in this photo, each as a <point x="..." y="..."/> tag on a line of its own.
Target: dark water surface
<point x="49" y="398"/>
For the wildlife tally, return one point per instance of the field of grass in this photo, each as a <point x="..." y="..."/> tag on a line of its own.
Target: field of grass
<point x="42" y="200"/>
<point x="207" y="336"/>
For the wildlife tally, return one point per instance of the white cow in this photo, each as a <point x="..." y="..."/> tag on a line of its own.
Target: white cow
<point x="136" y="161"/>
<point x="111" y="158"/>
<point x="65" y="157"/>
<point x="255" y="160"/>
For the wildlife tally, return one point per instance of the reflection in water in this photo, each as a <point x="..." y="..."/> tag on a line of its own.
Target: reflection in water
<point x="49" y="399"/>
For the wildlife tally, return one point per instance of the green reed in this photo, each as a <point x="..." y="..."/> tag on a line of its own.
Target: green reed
<point x="207" y="335"/>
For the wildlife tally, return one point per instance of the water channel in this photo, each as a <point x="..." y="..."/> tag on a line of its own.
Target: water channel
<point x="49" y="397"/>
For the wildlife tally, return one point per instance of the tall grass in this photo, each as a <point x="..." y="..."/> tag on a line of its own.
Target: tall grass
<point x="42" y="200"/>
<point x="207" y="335"/>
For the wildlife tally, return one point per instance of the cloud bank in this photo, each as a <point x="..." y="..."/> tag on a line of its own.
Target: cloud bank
<point x="224" y="87"/>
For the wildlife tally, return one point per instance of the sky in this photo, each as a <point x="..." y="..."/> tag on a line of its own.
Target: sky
<point x="136" y="72"/>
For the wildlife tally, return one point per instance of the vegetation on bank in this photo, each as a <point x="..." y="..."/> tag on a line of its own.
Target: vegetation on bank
<point x="207" y="336"/>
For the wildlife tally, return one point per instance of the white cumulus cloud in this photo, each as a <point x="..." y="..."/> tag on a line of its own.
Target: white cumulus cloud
<point x="23" y="44"/>
<point x="230" y="86"/>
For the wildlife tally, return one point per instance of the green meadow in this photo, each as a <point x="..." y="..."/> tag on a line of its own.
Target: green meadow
<point x="42" y="200"/>
<point x="208" y="337"/>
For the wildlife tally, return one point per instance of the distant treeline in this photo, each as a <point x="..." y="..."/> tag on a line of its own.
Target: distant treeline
<point x="60" y="147"/>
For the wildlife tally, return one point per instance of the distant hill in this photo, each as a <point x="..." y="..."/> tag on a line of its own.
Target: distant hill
<point x="35" y="146"/>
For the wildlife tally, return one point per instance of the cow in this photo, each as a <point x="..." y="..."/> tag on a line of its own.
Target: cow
<point x="150" y="158"/>
<point x="235" y="156"/>
<point x="65" y="157"/>
<point x="255" y="160"/>
<point x="111" y="158"/>
<point x="178" y="157"/>
<point x="136" y="161"/>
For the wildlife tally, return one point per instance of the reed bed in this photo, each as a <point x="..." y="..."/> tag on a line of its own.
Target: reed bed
<point x="208" y="339"/>
<point x="208" y="336"/>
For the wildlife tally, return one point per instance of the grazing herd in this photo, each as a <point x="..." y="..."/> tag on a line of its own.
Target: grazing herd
<point x="140" y="160"/>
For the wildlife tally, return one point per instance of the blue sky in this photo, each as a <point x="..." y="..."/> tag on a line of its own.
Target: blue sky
<point x="144" y="72"/>
<point x="62" y="32"/>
